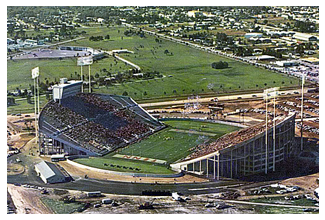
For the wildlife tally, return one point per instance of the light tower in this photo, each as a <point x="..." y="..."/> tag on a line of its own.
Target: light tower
<point x="268" y="94"/>
<point x="302" y="113"/>
<point x="35" y="75"/>
<point x="84" y="61"/>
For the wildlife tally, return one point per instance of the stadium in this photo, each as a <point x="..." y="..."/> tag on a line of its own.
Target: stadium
<point x="243" y="152"/>
<point x="95" y="125"/>
<point x="91" y="124"/>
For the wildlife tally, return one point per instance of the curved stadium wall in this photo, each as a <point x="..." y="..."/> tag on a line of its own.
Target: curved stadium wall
<point x="247" y="157"/>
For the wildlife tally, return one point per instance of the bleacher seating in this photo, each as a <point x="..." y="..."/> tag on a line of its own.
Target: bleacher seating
<point x="97" y="122"/>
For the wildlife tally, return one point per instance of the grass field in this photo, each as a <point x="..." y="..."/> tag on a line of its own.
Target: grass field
<point x="22" y="106"/>
<point x="19" y="71"/>
<point x="187" y="71"/>
<point x="164" y="145"/>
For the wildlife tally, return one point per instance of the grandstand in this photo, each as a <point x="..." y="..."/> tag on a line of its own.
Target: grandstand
<point x="92" y="124"/>
<point x="243" y="152"/>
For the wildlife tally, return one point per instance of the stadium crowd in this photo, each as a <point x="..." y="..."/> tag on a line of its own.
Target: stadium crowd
<point x="111" y="128"/>
<point x="61" y="116"/>
<point x="229" y="140"/>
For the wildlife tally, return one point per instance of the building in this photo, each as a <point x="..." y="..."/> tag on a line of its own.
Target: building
<point x="265" y="57"/>
<point x="58" y="157"/>
<point x="73" y="48"/>
<point x="287" y="63"/>
<point x="75" y="123"/>
<point x="255" y="35"/>
<point x="305" y="37"/>
<point x="227" y="157"/>
<point x="66" y="88"/>
<point x="50" y="173"/>
<point x="196" y="13"/>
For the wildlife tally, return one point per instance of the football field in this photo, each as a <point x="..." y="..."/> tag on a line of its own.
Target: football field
<point x="167" y="145"/>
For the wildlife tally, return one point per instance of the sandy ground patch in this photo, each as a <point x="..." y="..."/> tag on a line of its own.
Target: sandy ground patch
<point x="27" y="198"/>
<point x="309" y="183"/>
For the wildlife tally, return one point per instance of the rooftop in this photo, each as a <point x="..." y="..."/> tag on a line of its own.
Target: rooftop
<point x="48" y="169"/>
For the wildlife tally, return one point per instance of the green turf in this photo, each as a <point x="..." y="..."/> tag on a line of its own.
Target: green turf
<point x="22" y="106"/>
<point x="216" y="128"/>
<point x="164" y="145"/>
<point x="19" y="71"/>
<point x="145" y="167"/>
<point x="190" y="68"/>
<point x="172" y="146"/>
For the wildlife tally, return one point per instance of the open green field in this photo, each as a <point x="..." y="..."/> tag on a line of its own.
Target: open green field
<point x="186" y="70"/>
<point x="22" y="106"/>
<point x="165" y="145"/>
<point x="19" y="71"/>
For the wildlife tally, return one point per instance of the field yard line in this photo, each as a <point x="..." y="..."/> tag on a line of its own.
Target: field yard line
<point x="192" y="132"/>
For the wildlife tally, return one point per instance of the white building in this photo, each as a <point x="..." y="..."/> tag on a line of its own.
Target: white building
<point x="66" y="88"/>
<point x="305" y="37"/>
<point x="257" y="35"/>
<point x="50" y="173"/>
<point x="286" y="63"/>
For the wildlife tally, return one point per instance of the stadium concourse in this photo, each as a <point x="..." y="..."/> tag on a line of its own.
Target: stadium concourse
<point x="92" y="124"/>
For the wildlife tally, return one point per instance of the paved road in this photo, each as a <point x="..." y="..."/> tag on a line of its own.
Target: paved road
<point x="112" y="187"/>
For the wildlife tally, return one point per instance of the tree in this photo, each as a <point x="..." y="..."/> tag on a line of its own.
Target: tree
<point x="125" y="93"/>
<point x="29" y="99"/>
<point x="219" y="65"/>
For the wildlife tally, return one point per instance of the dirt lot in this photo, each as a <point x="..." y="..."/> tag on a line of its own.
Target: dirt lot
<point x="27" y="201"/>
<point x="20" y="130"/>
<point x="309" y="183"/>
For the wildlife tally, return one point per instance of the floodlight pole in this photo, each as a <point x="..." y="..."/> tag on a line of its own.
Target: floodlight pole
<point x="302" y="112"/>
<point x="218" y="167"/>
<point x="89" y="80"/>
<point x="35" y="108"/>
<point x="274" y="134"/>
<point x="37" y="96"/>
<point x="82" y="79"/>
<point x="266" y="148"/>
